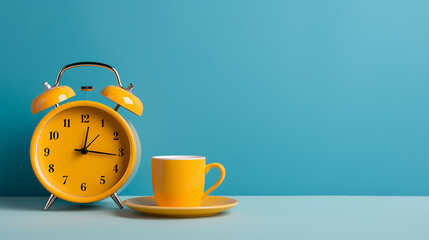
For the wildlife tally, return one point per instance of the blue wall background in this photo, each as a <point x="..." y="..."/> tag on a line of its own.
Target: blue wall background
<point x="293" y="97"/>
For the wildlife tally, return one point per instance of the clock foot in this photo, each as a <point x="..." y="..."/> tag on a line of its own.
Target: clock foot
<point x="51" y="200"/>
<point x="116" y="199"/>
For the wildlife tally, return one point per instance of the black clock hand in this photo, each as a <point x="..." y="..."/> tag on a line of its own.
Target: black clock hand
<point x="92" y="141"/>
<point x="102" y="153"/>
<point x="82" y="150"/>
<point x="87" y="151"/>
<point x="86" y="138"/>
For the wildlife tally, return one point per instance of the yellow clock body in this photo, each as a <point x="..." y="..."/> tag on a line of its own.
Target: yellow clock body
<point x="84" y="151"/>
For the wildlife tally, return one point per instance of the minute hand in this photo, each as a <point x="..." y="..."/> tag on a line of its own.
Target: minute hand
<point x="101" y="153"/>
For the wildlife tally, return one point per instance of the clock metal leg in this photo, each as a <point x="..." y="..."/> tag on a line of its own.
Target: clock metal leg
<point x="51" y="200"/>
<point x="116" y="199"/>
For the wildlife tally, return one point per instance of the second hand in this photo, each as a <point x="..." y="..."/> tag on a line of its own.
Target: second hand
<point x="92" y="141"/>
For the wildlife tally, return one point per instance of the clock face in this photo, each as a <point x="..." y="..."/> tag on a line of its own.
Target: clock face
<point x="82" y="151"/>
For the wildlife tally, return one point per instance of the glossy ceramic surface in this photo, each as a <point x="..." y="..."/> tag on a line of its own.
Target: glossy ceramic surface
<point x="210" y="205"/>
<point x="51" y="97"/>
<point x="178" y="181"/>
<point x="124" y="98"/>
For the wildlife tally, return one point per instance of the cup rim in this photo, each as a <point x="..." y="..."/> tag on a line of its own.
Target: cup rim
<point x="179" y="157"/>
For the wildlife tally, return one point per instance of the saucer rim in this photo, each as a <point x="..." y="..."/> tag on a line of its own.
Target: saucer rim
<point x="230" y="205"/>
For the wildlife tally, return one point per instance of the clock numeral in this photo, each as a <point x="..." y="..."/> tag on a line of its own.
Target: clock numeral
<point x="54" y="135"/>
<point x="47" y="151"/>
<point x="115" y="169"/>
<point x="65" y="179"/>
<point x="121" y="152"/>
<point x="102" y="180"/>
<point x="66" y="122"/>
<point x="84" y="118"/>
<point x="51" y="168"/>
<point x="115" y="136"/>
<point x="102" y="122"/>
<point x="83" y="187"/>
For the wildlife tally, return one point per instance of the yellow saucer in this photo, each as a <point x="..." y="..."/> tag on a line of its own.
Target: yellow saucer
<point x="210" y="205"/>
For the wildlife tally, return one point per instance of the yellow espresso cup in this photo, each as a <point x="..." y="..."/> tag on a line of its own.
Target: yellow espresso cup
<point x="178" y="181"/>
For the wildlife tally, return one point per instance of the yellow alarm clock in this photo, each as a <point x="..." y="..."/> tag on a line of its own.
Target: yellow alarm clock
<point x="84" y="151"/>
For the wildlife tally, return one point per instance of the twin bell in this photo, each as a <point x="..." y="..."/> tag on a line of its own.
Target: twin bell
<point x="118" y="94"/>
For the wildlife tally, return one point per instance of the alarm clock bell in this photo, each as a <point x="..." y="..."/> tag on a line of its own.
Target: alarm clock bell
<point x="118" y="94"/>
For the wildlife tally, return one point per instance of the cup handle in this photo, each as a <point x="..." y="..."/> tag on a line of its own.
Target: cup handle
<point x="222" y="176"/>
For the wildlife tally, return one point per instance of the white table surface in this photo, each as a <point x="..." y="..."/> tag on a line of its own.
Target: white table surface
<point x="255" y="217"/>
